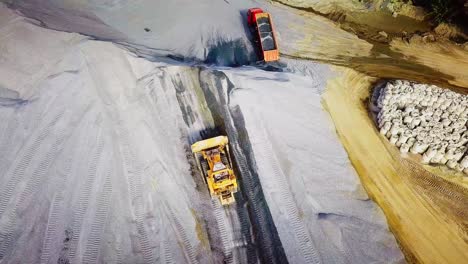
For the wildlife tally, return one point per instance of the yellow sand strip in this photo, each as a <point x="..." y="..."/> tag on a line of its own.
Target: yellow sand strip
<point x="427" y="213"/>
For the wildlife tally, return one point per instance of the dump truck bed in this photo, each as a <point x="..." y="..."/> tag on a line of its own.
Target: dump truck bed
<point x="266" y="36"/>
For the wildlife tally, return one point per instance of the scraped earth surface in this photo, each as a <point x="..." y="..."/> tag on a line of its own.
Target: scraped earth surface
<point x="82" y="181"/>
<point x="95" y="164"/>
<point x="321" y="211"/>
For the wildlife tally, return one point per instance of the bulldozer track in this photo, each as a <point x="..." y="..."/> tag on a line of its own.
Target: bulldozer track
<point x="23" y="165"/>
<point x="85" y="194"/>
<point x="32" y="120"/>
<point x="133" y="174"/>
<point x="118" y="254"/>
<point x="6" y="236"/>
<point x="267" y="243"/>
<point x="3" y="125"/>
<point x="250" y="251"/>
<point x="455" y="192"/>
<point x="167" y="253"/>
<point x="52" y="220"/>
<point x="219" y="221"/>
<point x="182" y="238"/>
<point x="226" y="237"/>
<point x="5" y="147"/>
<point x="439" y="191"/>
<point x="143" y="237"/>
<point x="51" y="230"/>
<point x="36" y="178"/>
<point x="238" y="252"/>
<point x="301" y="233"/>
<point x="40" y="170"/>
<point x="136" y="188"/>
<point x="12" y="125"/>
<point x="45" y="164"/>
<point x="56" y="205"/>
<point x="263" y="225"/>
<point x="97" y="227"/>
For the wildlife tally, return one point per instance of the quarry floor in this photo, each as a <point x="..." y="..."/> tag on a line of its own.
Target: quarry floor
<point x="95" y="159"/>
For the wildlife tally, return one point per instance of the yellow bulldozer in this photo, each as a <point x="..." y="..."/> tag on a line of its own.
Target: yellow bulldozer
<point x="214" y="162"/>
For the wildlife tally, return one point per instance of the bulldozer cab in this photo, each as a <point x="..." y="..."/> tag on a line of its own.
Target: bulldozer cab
<point x="218" y="177"/>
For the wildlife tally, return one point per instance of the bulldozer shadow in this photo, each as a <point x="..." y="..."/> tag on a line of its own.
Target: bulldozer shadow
<point x="208" y="132"/>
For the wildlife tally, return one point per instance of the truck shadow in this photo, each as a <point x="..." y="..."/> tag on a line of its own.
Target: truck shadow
<point x="237" y="52"/>
<point x="251" y="35"/>
<point x="233" y="53"/>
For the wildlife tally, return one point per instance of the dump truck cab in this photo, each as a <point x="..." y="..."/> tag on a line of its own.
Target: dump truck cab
<point x="214" y="162"/>
<point x="251" y="15"/>
<point x="262" y="26"/>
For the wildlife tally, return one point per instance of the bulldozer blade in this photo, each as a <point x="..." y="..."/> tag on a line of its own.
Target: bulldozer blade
<point x="209" y="143"/>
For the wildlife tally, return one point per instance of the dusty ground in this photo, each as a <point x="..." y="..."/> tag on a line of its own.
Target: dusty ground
<point x="403" y="53"/>
<point x="425" y="209"/>
<point x="426" y="206"/>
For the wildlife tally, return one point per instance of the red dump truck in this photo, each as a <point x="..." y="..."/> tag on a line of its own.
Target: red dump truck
<point x="262" y="27"/>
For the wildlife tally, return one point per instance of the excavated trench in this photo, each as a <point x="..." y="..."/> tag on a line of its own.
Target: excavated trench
<point x="231" y="122"/>
<point x="243" y="232"/>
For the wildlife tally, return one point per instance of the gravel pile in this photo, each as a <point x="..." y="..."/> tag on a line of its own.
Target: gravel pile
<point x="424" y="119"/>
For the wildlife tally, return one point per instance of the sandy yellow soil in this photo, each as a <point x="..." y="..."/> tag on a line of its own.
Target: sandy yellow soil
<point x="356" y="43"/>
<point x="426" y="206"/>
<point x="426" y="209"/>
<point x="445" y="57"/>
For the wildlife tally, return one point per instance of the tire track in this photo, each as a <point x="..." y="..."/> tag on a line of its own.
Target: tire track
<point x="85" y="194"/>
<point x="97" y="227"/>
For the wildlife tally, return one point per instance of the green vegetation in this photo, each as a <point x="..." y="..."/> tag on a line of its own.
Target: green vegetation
<point x="445" y="10"/>
<point x="441" y="10"/>
<point x="395" y="5"/>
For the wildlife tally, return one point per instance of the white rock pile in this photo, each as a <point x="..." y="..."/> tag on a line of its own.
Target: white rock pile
<point x="424" y="119"/>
